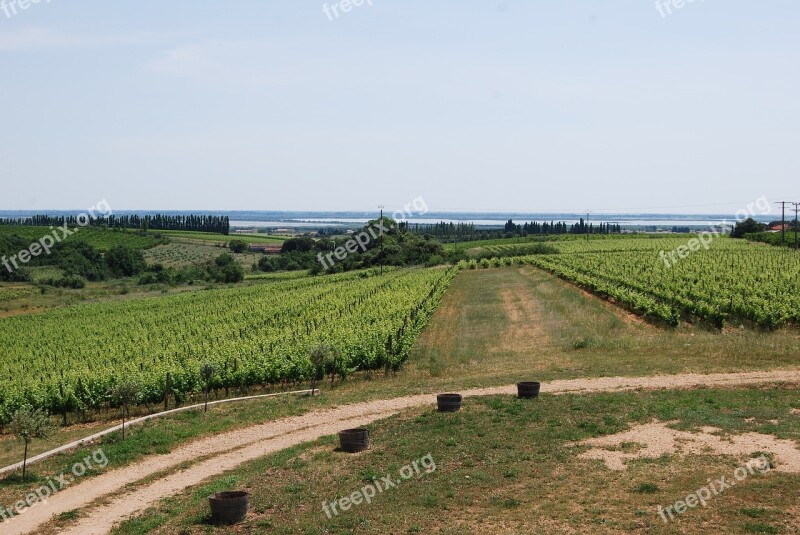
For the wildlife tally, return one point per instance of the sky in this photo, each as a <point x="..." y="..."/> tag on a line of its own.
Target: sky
<point x="495" y="105"/>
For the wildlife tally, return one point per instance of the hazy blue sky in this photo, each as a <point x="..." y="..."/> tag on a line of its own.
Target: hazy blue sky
<point x="473" y="105"/>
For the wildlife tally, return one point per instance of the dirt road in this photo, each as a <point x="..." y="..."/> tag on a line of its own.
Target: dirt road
<point x="215" y="455"/>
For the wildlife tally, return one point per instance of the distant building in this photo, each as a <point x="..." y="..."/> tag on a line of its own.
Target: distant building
<point x="777" y="227"/>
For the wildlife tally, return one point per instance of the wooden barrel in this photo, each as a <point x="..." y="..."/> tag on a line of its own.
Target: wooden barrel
<point x="229" y="507"/>
<point x="449" y="402"/>
<point x="354" y="440"/>
<point x="528" y="389"/>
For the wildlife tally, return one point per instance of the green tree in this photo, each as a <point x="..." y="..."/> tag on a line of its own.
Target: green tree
<point x="28" y="424"/>
<point x="319" y="356"/>
<point x="748" y="226"/>
<point x="125" y="394"/>
<point x="125" y="262"/>
<point x="237" y="246"/>
<point x="207" y="372"/>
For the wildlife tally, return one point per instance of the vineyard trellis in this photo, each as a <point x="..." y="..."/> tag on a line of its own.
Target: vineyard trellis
<point x="731" y="281"/>
<point x="69" y="359"/>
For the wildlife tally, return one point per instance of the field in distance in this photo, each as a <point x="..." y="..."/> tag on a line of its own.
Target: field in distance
<point x="222" y="238"/>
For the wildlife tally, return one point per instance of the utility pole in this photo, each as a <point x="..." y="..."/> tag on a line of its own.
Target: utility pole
<point x="783" y="220"/>
<point x="587" y="226"/>
<point x="796" y="222"/>
<point x="381" y="226"/>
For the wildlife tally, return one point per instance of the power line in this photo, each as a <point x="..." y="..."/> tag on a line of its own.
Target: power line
<point x="783" y="220"/>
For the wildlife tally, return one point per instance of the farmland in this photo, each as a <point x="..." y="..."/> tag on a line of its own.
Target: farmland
<point x="493" y="326"/>
<point x="101" y="238"/>
<point x="68" y="359"/>
<point x="8" y="293"/>
<point x="221" y="238"/>
<point x="731" y="282"/>
<point x="186" y="253"/>
<point x="487" y="483"/>
<point x="498" y="460"/>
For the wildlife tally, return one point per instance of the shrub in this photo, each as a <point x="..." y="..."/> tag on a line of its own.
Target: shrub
<point x="237" y="246"/>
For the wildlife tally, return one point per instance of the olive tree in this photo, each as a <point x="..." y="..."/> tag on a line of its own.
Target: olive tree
<point x="28" y="424"/>
<point x="125" y="394"/>
<point x="207" y="372"/>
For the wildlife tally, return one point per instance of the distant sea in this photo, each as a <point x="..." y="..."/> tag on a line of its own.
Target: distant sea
<point x="312" y="220"/>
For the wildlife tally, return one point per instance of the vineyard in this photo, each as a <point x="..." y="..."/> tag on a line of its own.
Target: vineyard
<point x="102" y="239"/>
<point x="789" y="239"/>
<point x="180" y="255"/>
<point x="223" y="238"/>
<point x="730" y="282"/>
<point x="68" y="359"/>
<point x="8" y="293"/>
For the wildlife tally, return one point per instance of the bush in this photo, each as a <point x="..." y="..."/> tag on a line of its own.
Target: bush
<point x="125" y="262"/>
<point x="225" y="269"/>
<point x="237" y="246"/>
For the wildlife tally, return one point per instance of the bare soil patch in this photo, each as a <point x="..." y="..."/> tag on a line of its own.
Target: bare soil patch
<point x="525" y="329"/>
<point x="657" y="438"/>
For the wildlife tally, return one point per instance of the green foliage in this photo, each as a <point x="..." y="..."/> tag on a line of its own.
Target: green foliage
<point x="324" y="359"/>
<point x="748" y="226"/>
<point x="207" y="373"/>
<point x="17" y="292"/>
<point x="124" y="262"/>
<point x="303" y="245"/>
<point x="775" y="238"/>
<point x="74" y="282"/>
<point x="237" y="246"/>
<point x="28" y="424"/>
<point x="259" y="334"/>
<point x="223" y="269"/>
<point x="731" y="281"/>
<point x="368" y="247"/>
<point x="124" y="395"/>
<point x="94" y="254"/>
<point x="15" y="238"/>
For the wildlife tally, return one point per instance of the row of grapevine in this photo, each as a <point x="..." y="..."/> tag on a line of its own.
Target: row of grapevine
<point x="69" y="359"/>
<point x="730" y="281"/>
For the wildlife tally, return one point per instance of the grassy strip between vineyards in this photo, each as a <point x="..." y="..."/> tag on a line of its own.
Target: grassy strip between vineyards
<point x="729" y="283"/>
<point x="505" y="465"/>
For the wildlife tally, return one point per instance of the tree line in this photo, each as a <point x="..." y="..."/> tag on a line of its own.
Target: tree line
<point x="191" y="222"/>
<point x="458" y="232"/>
<point x="581" y="227"/>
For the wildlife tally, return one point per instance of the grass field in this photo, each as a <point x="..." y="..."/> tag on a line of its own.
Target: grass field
<point x="504" y="465"/>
